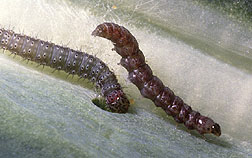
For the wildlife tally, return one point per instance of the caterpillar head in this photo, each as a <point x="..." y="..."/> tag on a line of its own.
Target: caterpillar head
<point x="117" y="101"/>
<point x="206" y="125"/>
<point x="215" y="129"/>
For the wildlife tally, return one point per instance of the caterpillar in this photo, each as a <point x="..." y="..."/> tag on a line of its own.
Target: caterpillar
<point x="150" y="86"/>
<point x="71" y="61"/>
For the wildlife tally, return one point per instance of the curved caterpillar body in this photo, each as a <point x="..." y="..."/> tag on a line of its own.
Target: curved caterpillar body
<point x="151" y="86"/>
<point x="71" y="61"/>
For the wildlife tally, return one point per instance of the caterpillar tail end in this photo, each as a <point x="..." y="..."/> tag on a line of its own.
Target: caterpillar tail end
<point x="98" y="31"/>
<point x="117" y="101"/>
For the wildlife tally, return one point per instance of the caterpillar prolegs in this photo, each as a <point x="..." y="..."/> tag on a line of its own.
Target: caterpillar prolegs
<point x="71" y="61"/>
<point x="151" y="86"/>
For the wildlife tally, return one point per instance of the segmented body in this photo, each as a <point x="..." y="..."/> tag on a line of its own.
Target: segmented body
<point x="70" y="61"/>
<point x="151" y="86"/>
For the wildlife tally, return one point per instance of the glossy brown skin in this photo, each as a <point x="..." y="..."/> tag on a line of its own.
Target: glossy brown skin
<point x="151" y="86"/>
<point x="70" y="61"/>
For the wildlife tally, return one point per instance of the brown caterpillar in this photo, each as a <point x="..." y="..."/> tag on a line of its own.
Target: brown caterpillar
<point x="151" y="86"/>
<point x="71" y="61"/>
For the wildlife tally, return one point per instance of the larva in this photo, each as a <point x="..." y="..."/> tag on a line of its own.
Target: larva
<point x="151" y="86"/>
<point x="71" y="61"/>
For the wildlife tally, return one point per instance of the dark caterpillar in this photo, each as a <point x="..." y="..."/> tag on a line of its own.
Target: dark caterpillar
<point x="71" y="61"/>
<point x="151" y="86"/>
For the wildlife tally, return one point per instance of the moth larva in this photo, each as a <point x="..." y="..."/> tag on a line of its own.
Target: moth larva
<point x="151" y="86"/>
<point x="69" y="60"/>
